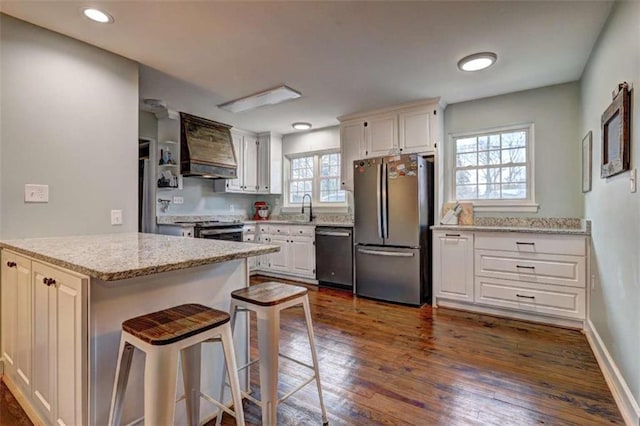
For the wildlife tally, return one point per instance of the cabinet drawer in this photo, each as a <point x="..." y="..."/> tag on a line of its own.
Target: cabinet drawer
<point x="249" y="229"/>
<point x="531" y="267"/>
<point x="533" y="243"/>
<point x="264" y="229"/>
<point x="303" y="230"/>
<point x="545" y="299"/>
<point x="248" y="238"/>
<point x="279" y="230"/>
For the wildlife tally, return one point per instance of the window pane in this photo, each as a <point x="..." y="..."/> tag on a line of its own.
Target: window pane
<point x="514" y="174"/>
<point x="465" y="145"/>
<point x="488" y="192"/>
<point x="518" y="155"/>
<point x="466" y="160"/>
<point x="488" y="158"/>
<point x="490" y="175"/>
<point x="494" y="142"/>
<point x="466" y="192"/>
<point x="483" y="143"/>
<point x="514" y="139"/>
<point x="514" y="190"/>
<point x="465" y="177"/>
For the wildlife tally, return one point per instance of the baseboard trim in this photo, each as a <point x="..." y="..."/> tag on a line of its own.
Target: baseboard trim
<point x="23" y="402"/>
<point x="625" y="401"/>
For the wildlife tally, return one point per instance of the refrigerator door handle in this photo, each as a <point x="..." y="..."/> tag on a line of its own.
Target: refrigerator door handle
<point x="379" y="204"/>
<point x="385" y="253"/>
<point x="385" y="197"/>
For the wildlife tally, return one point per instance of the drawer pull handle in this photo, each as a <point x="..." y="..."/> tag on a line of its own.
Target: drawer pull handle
<point x="525" y="267"/>
<point x="525" y="244"/>
<point x="525" y="297"/>
<point x="452" y="235"/>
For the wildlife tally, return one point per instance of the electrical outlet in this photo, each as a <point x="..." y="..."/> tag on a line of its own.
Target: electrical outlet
<point x="633" y="180"/>
<point x="178" y="200"/>
<point x="116" y="217"/>
<point x="36" y="193"/>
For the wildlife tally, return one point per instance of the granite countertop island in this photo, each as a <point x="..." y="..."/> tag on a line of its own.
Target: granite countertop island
<point x="113" y="257"/>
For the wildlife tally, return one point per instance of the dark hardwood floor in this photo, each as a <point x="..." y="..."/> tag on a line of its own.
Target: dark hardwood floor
<point x="388" y="364"/>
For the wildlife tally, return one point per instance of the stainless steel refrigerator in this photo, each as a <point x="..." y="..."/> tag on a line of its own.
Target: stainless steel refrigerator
<point x="393" y="211"/>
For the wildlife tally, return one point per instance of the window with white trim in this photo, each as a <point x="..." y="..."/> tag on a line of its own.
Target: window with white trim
<point x="494" y="167"/>
<point x="316" y="174"/>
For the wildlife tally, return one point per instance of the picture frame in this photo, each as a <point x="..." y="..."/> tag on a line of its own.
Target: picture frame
<point x="616" y="131"/>
<point x="587" y="155"/>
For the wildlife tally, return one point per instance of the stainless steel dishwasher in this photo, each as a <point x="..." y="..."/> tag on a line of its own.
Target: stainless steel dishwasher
<point x="334" y="256"/>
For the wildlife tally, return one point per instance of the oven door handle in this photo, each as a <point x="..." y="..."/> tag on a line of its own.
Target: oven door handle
<point x="206" y="232"/>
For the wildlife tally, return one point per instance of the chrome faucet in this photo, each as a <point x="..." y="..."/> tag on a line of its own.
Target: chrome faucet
<point x="311" y="216"/>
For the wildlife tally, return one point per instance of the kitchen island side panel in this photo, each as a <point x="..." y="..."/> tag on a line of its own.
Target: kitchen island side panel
<point x="110" y="303"/>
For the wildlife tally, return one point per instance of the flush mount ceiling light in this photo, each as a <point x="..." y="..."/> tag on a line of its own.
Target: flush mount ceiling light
<point x="477" y="61"/>
<point x="97" y="15"/>
<point x="271" y="96"/>
<point x="301" y="126"/>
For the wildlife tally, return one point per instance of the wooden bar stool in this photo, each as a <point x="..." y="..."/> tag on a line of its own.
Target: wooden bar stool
<point x="267" y="300"/>
<point x="162" y="336"/>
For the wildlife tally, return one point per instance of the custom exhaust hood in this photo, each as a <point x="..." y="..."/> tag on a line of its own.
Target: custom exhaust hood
<point x="206" y="149"/>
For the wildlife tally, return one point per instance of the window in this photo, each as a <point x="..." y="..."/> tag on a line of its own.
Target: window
<point x="317" y="175"/>
<point x="494" y="167"/>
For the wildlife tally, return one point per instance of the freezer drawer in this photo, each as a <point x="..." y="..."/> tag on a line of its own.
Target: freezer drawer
<point x="334" y="256"/>
<point x="391" y="274"/>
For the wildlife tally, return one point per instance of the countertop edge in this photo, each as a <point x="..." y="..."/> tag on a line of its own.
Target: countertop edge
<point x="557" y="231"/>
<point x="139" y="272"/>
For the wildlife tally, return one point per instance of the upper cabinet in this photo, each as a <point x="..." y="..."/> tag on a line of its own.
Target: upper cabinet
<point x="405" y="129"/>
<point x="259" y="160"/>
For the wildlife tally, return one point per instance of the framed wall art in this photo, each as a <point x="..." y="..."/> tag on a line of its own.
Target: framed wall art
<point x="616" y="132"/>
<point x="586" y="162"/>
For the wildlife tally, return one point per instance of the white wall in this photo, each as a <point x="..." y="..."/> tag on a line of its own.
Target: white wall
<point x="315" y="140"/>
<point x="69" y="120"/>
<point x="555" y="112"/>
<point x="147" y="125"/>
<point x="615" y="212"/>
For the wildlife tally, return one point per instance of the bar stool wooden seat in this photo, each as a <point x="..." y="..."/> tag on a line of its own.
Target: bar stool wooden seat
<point x="267" y="300"/>
<point x="162" y="336"/>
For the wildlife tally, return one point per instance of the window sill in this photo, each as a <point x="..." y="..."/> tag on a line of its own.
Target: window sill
<point x="528" y="207"/>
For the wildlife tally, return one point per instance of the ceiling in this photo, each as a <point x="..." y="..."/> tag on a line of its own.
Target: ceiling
<point x="343" y="56"/>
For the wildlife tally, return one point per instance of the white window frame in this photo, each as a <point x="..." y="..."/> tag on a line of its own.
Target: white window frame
<point x="527" y="205"/>
<point x="288" y="207"/>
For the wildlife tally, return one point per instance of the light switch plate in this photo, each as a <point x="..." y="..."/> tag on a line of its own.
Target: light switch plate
<point x="36" y="193"/>
<point x="116" y="217"/>
<point x="633" y="180"/>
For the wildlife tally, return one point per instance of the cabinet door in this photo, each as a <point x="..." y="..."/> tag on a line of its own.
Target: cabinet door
<point x="303" y="256"/>
<point x="415" y="133"/>
<point x="250" y="165"/>
<point x="17" y="326"/>
<point x="279" y="261"/>
<point x="44" y="340"/>
<point x="381" y="135"/>
<point x="352" y="148"/>
<point x="236" y="184"/>
<point x="453" y="265"/>
<point x="264" y="165"/>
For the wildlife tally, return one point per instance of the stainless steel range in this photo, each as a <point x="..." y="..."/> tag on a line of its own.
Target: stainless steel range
<point x="214" y="230"/>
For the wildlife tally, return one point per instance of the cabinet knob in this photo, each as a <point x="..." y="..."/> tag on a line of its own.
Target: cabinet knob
<point x="300" y="231"/>
<point x="48" y="281"/>
<point x="12" y="264"/>
<point x="227" y="185"/>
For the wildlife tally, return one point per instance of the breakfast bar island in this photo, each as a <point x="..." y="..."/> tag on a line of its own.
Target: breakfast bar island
<point x="64" y="300"/>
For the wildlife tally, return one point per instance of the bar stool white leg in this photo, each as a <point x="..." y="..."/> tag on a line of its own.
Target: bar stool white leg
<point x="314" y="355"/>
<point x="160" y="381"/>
<point x="268" y="345"/>
<point x="232" y="314"/>
<point x="120" y="383"/>
<point x="191" y="364"/>
<point x="232" y="369"/>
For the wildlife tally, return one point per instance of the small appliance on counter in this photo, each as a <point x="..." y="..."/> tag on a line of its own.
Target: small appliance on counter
<point x="261" y="210"/>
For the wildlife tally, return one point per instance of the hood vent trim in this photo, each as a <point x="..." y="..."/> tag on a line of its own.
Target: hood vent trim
<point x="206" y="148"/>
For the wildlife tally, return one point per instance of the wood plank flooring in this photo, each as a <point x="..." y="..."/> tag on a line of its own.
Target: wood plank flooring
<point x="386" y="364"/>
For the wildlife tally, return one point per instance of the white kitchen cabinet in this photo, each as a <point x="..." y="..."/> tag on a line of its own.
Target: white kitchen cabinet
<point x="279" y="261"/>
<point x="59" y="354"/>
<point x="250" y="164"/>
<point x="453" y="265"/>
<point x="414" y="130"/>
<point x="16" y="300"/>
<point x="269" y="163"/>
<point x="352" y="146"/>
<point x="381" y="135"/>
<point x="249" y="236"/>
<point x="302" y="256"/>
<point x="235" y="185"/>
<point x="297" y="255"/>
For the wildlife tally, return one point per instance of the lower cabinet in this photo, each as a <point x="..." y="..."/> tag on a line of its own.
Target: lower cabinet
<point x="453" y="265"/>
<point x="297" y="255"/>
<point x="51" y="311"/>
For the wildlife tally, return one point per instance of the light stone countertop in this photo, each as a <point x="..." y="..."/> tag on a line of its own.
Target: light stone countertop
<point x="299" y="222"/>
<point x="531" y="230"/>
<point x="112" y="257"/>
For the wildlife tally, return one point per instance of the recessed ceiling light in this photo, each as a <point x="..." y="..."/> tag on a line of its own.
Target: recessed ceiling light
<point x="268" y="97"/>
<point x="301" y="126"/>
<point x="477" y="61"/>
<point x="97" y="15"/>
